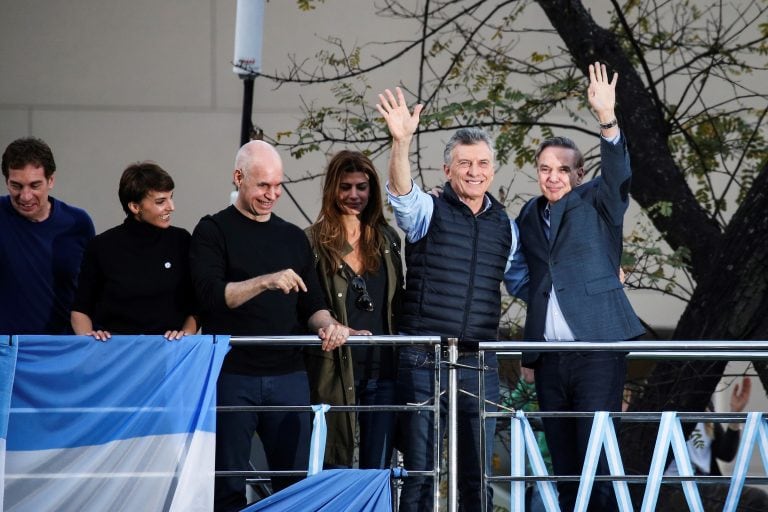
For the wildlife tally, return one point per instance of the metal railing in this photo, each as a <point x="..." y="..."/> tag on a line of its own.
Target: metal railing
<point x="650" y="350"/>
<point x="667" y="350"/>
<point x="388" y="340"/>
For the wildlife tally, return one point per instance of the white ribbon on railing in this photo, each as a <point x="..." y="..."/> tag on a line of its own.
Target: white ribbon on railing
<point x="517" y="463"/>
<point x="603" y="434"/>
<point x="317" y="443"/>
<point x="755" y="430"/>
<point x="670" y="430"/>
<point x="523" y="441"/>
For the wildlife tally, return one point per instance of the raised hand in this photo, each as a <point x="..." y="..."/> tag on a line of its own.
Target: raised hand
<point x="602" y="93"/>
<point x="401" y="122"/>
<point x="740" y="395"/>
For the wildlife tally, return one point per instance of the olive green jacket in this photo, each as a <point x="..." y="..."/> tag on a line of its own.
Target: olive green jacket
<point x="331" y="376"/>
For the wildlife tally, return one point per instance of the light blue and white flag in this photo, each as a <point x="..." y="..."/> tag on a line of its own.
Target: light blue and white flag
<point x="7" y="365"/>
<point x="128" y="424"/>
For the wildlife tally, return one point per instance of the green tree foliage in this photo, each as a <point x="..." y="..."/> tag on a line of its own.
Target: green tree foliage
<point x="699" y="66"/>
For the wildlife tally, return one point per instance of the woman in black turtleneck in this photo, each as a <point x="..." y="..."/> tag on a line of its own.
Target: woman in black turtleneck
<point x="135" y="277"/>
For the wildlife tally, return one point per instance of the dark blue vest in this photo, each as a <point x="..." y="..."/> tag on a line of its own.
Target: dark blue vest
<point x="455" y="272"/>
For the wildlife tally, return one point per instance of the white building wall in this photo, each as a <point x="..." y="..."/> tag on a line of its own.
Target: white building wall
<point x="108" y="83"/>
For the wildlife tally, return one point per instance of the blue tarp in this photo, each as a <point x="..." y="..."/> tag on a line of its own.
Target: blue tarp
<point x="335" y="490"/>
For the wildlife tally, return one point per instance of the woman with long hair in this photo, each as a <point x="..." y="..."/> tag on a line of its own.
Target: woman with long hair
<point x="358" y="262"/>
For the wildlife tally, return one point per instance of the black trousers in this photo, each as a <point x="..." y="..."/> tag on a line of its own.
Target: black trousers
<point x="580" y="382"/>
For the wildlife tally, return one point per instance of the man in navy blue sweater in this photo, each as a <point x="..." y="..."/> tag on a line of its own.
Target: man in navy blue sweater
<point x="42" y="241"/>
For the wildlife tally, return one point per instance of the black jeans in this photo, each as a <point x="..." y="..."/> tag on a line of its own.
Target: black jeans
<point x="285" y="435"/>
<point x="415" y="384"/>
<point x="581" y="382"/>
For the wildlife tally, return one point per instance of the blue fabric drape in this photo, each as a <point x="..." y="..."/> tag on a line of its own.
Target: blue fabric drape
<point x="336" y="490"/>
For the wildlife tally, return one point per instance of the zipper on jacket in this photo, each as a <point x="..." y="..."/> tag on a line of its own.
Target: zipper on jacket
<point x="471" y="289"/>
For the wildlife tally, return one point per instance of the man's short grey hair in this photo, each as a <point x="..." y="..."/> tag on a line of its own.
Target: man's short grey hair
<point x="559" y="142"/>
<point x="467" y="137"/>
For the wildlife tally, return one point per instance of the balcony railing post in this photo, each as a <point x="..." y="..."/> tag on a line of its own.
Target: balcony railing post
<point x="484" y="466"/>
<point x="453" y="421"/>
<point x="437" y="453"/>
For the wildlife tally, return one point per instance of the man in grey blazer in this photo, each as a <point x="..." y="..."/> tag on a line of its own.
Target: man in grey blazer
<point x="571" y="241"/>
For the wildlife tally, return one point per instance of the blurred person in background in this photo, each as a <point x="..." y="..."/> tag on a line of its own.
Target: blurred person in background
<point x="709" y="443"/>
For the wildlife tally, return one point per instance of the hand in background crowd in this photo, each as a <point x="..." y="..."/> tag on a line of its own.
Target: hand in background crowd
<point x="740" y="395"/>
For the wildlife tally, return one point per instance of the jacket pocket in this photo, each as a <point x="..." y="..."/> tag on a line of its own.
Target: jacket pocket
<point x="602" y="285"/>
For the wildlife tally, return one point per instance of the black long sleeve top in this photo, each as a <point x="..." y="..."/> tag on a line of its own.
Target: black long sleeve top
<point x="135" y="279"/>
<point x="229" y="247"/>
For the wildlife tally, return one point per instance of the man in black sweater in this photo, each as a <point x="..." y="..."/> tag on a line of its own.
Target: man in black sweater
<point x="254" y="275"/>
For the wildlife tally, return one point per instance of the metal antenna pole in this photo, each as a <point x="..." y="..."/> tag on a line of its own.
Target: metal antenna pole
<point x="246" y="125"/>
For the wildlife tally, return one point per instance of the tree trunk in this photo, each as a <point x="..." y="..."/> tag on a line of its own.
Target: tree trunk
<point x="729" y="304"/>
<point x="656" y="177"/>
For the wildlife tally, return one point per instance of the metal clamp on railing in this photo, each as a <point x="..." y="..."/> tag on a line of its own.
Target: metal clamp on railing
<point x="453" y="415"/>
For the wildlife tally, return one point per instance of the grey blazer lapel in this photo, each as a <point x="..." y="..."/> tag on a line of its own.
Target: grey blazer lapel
<point x="558" y="211"/>
<point x="555" y="219"/>
<point x="536" y="224"/>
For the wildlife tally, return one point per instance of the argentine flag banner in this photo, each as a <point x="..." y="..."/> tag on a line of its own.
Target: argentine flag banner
<point x="7" y="365"/>
<point x="123" y="425"/>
